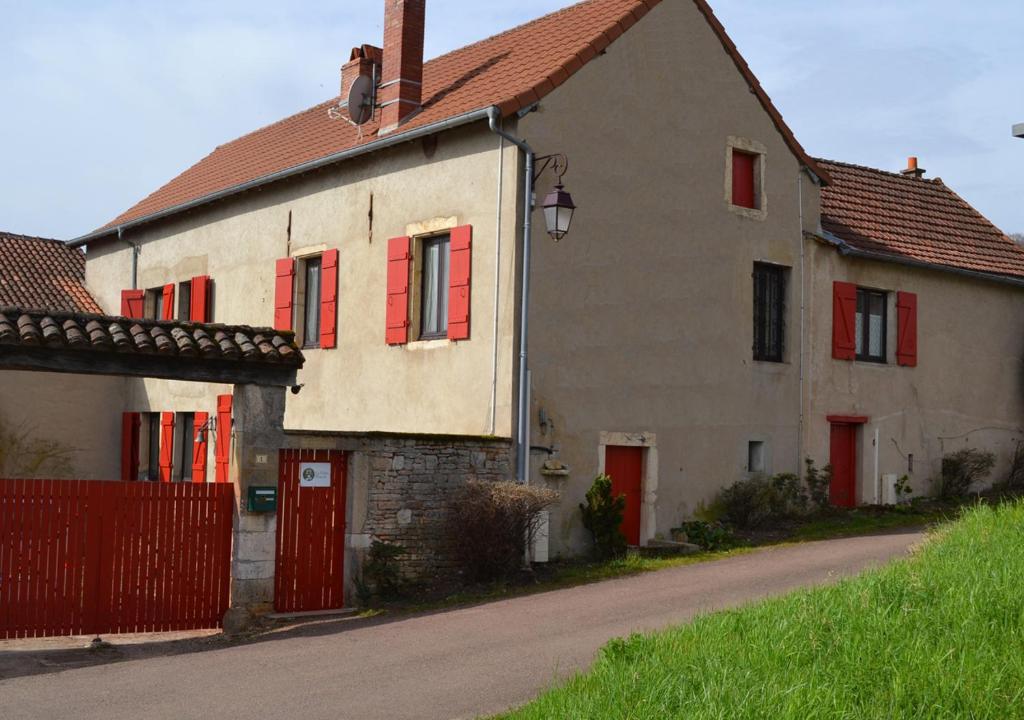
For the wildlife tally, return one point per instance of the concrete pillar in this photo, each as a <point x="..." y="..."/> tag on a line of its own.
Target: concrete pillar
<point x="257" y="435"/>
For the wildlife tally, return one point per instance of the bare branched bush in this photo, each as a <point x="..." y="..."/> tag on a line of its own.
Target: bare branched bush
<point x="490" y="525"/>
<point x="1015" y="475"/>
<point x="24" y="456"/>
<point x="963" y="468"/>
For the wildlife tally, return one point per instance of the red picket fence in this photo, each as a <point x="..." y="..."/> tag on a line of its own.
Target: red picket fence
<point x="84" y="557"/>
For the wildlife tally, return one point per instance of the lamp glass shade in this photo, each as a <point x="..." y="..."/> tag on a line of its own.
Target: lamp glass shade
<point x="558" y="210"/>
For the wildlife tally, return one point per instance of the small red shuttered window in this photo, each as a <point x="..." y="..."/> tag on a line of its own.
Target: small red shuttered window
<point x="397" y="315"/>
<point x="199" y="303"/>
<point x="133" y="303"/>
<point x="166" y="446"/>
<point x="744" y="189"/>
<point x="329" y="299"/>
<point x="844" y="317"/>
<point x="199" y="447"/>
<point x="460" y="265"/>
<point x="906" y="328"/>
<point x="131" y="423"/>
<point x="222" y="448"/>
<point x="284" y="290"/>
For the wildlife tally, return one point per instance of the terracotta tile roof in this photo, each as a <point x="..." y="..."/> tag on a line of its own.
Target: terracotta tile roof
<point x="511" y="70"/>
<point x="93" y="333"/>
<point x="913" y="218"/>
<point x="43" y="274"/>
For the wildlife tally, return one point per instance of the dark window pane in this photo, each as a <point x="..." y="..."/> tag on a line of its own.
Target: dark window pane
<point x="871" y="325"/>
<point x="185" y="300"/>
<point x="153" y="464"/>
<point x="769" y="312"/>
<point x="311" y="318"/>
<point x="187" y="443"/>
<point x="434" y="287"/>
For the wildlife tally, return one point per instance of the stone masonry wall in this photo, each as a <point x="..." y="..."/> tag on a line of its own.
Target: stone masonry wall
<point x="410" y="486"/>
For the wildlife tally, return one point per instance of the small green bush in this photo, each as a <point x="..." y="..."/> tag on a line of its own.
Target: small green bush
<point x="602" y="516"/>
<point x="380" y="573"/>
<point x="961" y="469"/>
<point x="709" y="535"/>
<point x="818" y="483"/>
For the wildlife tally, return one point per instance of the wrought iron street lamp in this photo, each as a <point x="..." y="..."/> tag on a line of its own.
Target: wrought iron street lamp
<point x="558" y="205"/>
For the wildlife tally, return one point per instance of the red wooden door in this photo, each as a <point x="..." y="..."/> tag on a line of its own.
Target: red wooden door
<point x="625" y="467"/>
<point x="843" y="457"/>
<point x="309" y="572"/>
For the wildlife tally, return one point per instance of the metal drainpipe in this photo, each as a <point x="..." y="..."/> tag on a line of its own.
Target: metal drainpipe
<point x="803" y="283"/>
<point x="522" y="448"/>
<point x="135" y="257"/>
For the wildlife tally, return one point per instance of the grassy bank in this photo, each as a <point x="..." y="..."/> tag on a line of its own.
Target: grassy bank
<point x="939" y="635"/>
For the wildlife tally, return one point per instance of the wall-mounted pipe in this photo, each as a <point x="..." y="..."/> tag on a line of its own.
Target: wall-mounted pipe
<point x="523" y="418"/>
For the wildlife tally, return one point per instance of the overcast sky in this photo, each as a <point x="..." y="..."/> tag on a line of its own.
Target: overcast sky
<point x="101" y="102"/>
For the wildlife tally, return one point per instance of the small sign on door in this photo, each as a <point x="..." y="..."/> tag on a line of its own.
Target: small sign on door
<point x="315" y="474"/>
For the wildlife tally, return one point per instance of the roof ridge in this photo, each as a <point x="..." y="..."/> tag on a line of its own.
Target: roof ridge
<point x="895" y="174"/>
<point x="19" y="236"/>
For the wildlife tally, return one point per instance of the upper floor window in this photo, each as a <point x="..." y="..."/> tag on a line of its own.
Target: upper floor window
<point x="307" y="301"/>
<point x="744" y="177"/>
<point x="870" y="325"/>
<point x="769" y="311"/>
<point x="434" y="260"/>
<point x="154" y="304"/>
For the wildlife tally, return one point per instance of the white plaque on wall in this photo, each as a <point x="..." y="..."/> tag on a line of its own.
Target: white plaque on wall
<point x="314" y="474"/>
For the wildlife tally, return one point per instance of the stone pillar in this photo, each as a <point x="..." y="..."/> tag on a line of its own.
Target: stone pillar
<point x="257" y="435"/>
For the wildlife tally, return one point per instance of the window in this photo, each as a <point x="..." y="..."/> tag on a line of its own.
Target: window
<point x="755" y="456"/>
<point x="186" y="441"/>
<point x="185" y="300"/>
<point x="307" y="301"/>
<point x="745" y="179"/>
<point x="769" y="311"/>
<point x="151" y="435"/>
<point x="154" y="304"/>
<point x="869" y="325"/>
<point x="434" y="287"/>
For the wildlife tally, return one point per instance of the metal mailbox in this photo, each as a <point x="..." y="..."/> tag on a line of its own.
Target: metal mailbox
<point x="262" y="499"/>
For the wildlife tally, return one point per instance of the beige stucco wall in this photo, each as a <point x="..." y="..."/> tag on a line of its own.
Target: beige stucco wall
<point x="363" y="384"/>
<point x="80" y="413"/>
<point x="966" y="391"/>
<point x="641" y="318"/>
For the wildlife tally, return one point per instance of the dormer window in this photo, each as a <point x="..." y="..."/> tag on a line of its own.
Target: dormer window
<point x="744" y="178"/>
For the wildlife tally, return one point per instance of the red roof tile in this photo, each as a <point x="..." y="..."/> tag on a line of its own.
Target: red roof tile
<point x="511" y="71"/>
<point x="913" y="218"/>
<point x="43" y="274"/>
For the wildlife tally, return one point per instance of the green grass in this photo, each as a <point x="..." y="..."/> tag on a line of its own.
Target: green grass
<point x="866" y="521"/>
<point x="938" y="635"/>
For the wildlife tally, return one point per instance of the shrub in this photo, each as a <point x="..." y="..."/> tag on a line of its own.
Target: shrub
<point x="745" y="502"/>
<point x="1015" y="476"/>
<point x="380" y="573"/>
<point x="818" y="483"/>
<point x="491" y="524"/>
<point x="961" y="469"/>
<point x="602" y="516"/>
<point x="709" y="535"/>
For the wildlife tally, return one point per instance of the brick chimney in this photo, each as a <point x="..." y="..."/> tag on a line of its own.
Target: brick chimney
<point x="402" y="74"/>
<point x="364" y="60"/>
<point x="913" y="169"/>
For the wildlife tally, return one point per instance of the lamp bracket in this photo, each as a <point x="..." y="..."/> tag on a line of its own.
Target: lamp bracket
<point x="558" y="163"/>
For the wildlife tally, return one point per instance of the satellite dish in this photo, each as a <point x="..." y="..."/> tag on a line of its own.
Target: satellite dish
<point x="360" y="100"/>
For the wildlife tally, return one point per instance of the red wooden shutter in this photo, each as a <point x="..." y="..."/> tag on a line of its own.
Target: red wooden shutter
<point x="459" y="266"/>
<point x="132" y="303"/>
<point x="199" y="435"/>
<point x="131" y="423"/>
<point x="397" y="330"/>
<point x="222" y="448"/>
<point x="844" y="314"/>
<point x="199" y="311"/>
<point x="166" y="445"/>
<point x="906" y="328"/>
<point x="743" y="164"/>
<point x="168" y="310"/>
<point x="284" y="288"/>
<point x="329" y="299"/>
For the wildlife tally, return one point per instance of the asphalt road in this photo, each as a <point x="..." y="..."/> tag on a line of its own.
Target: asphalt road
<point x="453" y="664"/>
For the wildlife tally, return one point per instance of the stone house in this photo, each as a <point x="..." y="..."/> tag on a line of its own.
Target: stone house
<point x="680" y="336"/>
